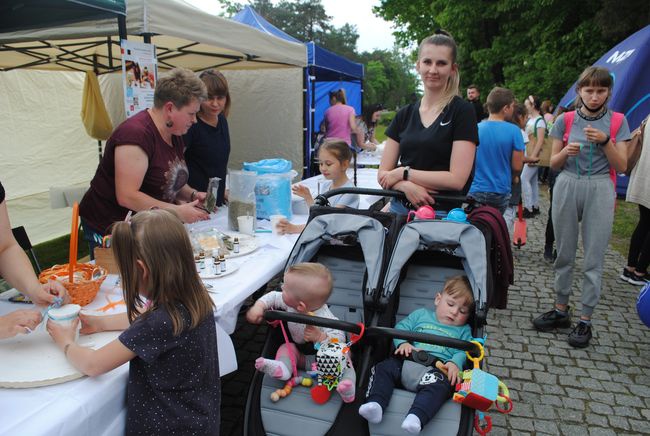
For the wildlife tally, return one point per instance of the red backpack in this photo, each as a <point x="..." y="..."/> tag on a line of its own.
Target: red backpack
<point x="614" y="126"/>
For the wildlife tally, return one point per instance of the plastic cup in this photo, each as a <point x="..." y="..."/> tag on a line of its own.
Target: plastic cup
<point x="246" y="224"/>
<point x="275" y="219"/>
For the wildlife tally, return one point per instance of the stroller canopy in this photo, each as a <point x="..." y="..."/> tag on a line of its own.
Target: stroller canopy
<point x="461" y="240"/>
<point x="325" y="229"/>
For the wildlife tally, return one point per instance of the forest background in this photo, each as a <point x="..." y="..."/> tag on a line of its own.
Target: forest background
<point x="532" y="47"/>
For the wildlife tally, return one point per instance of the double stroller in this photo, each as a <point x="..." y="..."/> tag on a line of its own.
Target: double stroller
<point x="383" y="269"/>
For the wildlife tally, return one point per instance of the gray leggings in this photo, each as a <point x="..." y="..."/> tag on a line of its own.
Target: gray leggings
<point x="586" y="204"/>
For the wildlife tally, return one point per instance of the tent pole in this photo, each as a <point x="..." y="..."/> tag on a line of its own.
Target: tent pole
<point x="121" y="25"/>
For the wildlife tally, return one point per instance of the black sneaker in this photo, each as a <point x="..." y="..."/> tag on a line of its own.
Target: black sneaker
<point x="626" y="275"/>
<point x="580" y="335"/>
<point x="637" y="279"/>
<point x="552" y="319"/>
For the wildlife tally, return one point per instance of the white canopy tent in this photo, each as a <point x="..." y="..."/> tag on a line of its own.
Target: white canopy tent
<point x="44" y="143"/>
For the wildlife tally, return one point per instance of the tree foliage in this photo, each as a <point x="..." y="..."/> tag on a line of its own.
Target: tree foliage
<point x="388" y="79"/>
<point x="533" y="47"/>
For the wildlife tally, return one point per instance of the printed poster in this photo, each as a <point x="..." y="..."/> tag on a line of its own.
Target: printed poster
<point x="139" y="75"/>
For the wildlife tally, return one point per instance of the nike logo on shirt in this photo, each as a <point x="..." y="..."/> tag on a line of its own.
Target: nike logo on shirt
<point x="444" y="124"/>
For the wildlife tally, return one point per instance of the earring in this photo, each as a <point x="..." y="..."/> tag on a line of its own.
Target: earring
<point x="169" y="123"/>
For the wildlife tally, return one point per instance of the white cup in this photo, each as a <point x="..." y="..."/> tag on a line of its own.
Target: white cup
<point x="275" y="219"/>
<point x="65" y="315"/>
<point x="246" y="224"/>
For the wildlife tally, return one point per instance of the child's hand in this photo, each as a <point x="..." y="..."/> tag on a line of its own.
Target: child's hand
<point x="90" y="324"/>
<point x="452" y="373"/>
<point x="302" y="191"/>
<point x="62" y="334"/>
<point x="284" y="227"/>
<point x="255" y="314"/>
<point x="594" y="135"/>
<point x="572" y="148"/>
<point x="405" y="349"/>
<point x="314" y="334"/>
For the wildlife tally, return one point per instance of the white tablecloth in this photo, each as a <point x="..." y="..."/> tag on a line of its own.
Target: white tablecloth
<point x="97" y="405"/>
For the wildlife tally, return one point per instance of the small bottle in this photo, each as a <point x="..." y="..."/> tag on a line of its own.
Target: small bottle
<point x="222" y="259"/>
<point x="217" y="266"/>
<point x="235" y="245"/>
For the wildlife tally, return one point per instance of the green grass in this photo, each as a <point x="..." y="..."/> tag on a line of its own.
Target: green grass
<point x="55" y="251"/>
<point x="625" y="219"/>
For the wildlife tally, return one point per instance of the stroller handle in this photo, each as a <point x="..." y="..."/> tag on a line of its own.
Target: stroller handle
<point x="321" y="199"/>
<point x="279" y="315"/>
<point x="424" y="337"/>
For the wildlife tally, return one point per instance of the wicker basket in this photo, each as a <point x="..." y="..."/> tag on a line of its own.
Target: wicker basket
<point x="84" y="288"/>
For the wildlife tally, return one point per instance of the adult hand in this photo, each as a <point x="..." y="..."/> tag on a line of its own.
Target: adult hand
<point x="302" y="191"/>
<point x="48" y="292"/>
<point x="18" y="322"/>
<point x="405" y="349"/>
<point x="573" y="148"/>
<point x="388" y="179"/>
<point x="452" y="373"/>
<point x="416" y="194"/>
<point x="191" y="213"/>
<point x="62" y="334"/>
<point x="314" y="334"/>
<point x="255" y="314"/>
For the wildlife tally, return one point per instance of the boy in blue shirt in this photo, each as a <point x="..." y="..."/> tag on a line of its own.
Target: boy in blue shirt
<point x="452" y="309"/>
<point x="501" y="152"/>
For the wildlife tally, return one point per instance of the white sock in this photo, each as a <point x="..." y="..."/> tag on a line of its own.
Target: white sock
<point x="412" y="424"/>
<point x="274" y="368"/>
<point x="372" y="412"/>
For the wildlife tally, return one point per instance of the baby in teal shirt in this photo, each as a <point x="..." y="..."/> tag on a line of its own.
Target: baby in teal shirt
<point x="452" y="309"/>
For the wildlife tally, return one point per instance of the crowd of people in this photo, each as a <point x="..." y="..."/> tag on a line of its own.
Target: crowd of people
<point x="163" y="157"/>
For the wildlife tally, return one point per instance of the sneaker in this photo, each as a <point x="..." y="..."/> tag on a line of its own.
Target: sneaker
<point x="580" y="335"/>
<point x="626" y="275"/>
<point x="552" y="319"/>
<point x="528" y="213"/>
<point x="637" y="279"/>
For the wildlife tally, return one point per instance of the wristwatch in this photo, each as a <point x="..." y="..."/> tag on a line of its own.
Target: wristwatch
<point x="405" y="175"/>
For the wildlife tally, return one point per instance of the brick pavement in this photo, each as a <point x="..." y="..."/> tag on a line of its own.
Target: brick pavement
<point x="557" y="390"/>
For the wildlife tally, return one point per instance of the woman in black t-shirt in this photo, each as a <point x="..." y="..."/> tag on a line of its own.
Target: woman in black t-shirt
<point x="431" y="143"/>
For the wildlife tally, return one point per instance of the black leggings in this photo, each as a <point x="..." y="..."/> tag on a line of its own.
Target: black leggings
<point x="639" y="255"/>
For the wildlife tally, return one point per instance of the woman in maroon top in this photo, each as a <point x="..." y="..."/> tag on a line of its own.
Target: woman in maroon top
<point x="143" y="165"/>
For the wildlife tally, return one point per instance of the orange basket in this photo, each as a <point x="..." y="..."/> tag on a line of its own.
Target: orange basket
<point x="82" y="281"/>
<point x="84" y="287"/>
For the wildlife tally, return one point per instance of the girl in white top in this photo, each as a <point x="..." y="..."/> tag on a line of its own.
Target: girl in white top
<point x="536" y="131"/>
<point x="334" y="158"/>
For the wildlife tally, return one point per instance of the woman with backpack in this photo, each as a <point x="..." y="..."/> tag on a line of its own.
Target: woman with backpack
<point x="589" y="146"/>
<point x="536" y="131"/>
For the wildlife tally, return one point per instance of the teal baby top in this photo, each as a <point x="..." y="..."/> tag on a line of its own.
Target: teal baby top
<point x="425" y="321"/>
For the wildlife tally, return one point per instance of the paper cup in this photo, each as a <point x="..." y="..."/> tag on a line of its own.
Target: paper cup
<point x="65" y="315"/>
<point x="275" y="219"/>
<point x="246" y="224"/>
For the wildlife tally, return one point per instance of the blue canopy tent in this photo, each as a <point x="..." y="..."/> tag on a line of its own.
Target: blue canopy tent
<point x="326" y="71"/>
<point x="629" y="63"/>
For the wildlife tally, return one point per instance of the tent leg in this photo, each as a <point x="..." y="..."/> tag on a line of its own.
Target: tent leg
<point x="99" y="149"/>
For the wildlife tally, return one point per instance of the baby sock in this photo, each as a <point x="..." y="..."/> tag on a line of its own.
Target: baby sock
<point x="347" y="390"/>
<point x="274" y="368"/>
<point x="372" y="412"/>
<point x="412" y="424"/>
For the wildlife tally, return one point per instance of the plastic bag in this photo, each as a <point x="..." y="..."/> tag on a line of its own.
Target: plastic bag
<point x="273" y="187"/>
<point x="241" y="201"/>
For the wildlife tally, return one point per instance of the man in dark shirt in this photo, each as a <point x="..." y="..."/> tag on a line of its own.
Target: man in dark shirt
<point x="474" y="97"/>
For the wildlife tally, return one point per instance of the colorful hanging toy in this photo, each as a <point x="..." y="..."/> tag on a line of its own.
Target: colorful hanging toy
<point x="480" y="390"/>
<point x="332" y="359"/>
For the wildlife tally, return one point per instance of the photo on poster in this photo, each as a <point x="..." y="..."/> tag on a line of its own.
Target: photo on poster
<point x="139" y="72"/>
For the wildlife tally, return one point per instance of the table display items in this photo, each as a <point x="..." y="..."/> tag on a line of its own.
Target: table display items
<point x="241" y="197"/>
<point x="227" y="245"/>
<point x="273" y="187"/>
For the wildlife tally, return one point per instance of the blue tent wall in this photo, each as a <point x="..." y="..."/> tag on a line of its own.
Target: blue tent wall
<point x="326" y="71"/>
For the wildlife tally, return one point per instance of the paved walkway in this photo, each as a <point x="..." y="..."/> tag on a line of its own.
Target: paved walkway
<point x="557" y="390"/>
